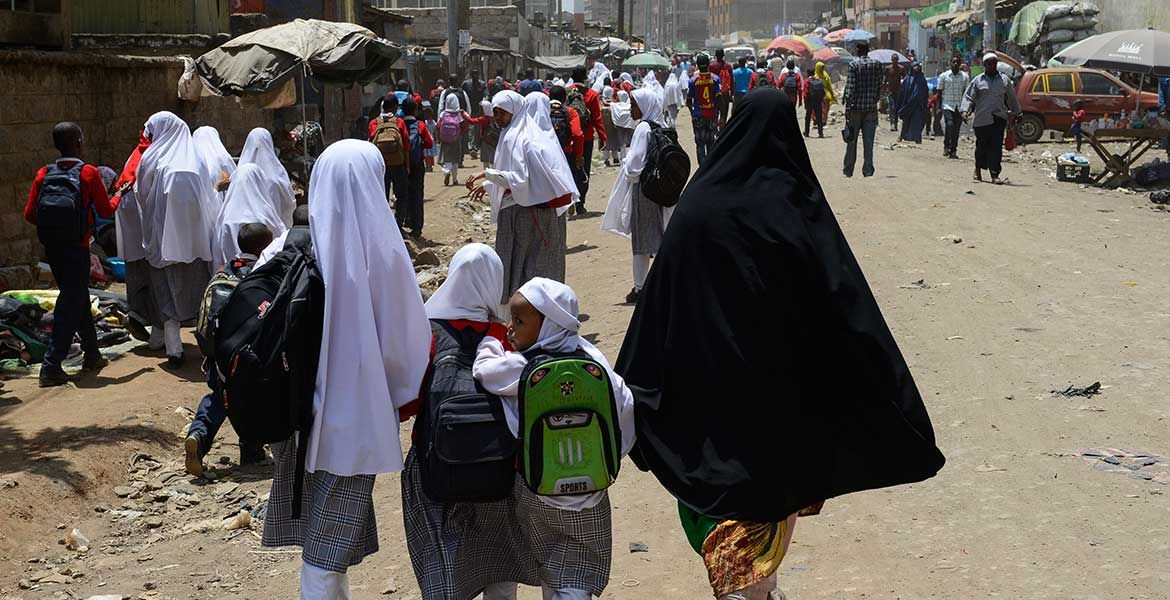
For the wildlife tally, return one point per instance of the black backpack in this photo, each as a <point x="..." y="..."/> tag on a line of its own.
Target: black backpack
<point x="816" y="90"/>
<point x="791" y="83"/>
<point x="267" y="339"/>
<point x="61" y="218"/>
<point x="667" y="167"/>
<point x="576" y="101"/>
<point x="561" y="124"/>
<point x="466" y="451"/>
<point x="215" y="296"/>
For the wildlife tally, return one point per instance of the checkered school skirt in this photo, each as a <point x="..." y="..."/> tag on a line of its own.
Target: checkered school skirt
<point x="645" y="224"/>
<point x="531" y="243"/>
<point x="337" y="528"/>
<point x="457" y="549"/>
<point x="178" y="289"/>
<point x="573" y="549"/>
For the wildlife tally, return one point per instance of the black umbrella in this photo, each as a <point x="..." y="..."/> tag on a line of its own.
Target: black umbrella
<point x="1145" y="51"/>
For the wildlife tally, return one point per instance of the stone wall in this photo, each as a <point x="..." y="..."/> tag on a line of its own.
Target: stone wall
<point x="110" y="97"/>
<point x="493" y="24"/>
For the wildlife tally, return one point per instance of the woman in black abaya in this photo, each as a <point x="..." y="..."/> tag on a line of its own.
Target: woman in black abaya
<point x="765" y="376"/>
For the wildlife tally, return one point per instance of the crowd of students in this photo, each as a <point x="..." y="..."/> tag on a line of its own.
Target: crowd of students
<point x="753" y="267"/>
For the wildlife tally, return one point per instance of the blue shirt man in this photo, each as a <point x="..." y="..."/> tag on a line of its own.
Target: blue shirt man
<point x="742" y="78"/>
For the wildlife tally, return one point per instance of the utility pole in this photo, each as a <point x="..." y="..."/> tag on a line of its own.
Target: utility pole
<point x="784" y="18"/>
<point x="988" y="25"/>
<point x="632" y="2"/>
<point x="621" y="19"/>
<point x="452" y="36"/>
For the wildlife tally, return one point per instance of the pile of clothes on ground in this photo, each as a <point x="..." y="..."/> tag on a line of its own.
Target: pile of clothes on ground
<point x="26" y="326"/>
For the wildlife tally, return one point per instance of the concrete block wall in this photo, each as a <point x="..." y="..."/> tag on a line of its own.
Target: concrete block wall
<point x="110" y="97"/>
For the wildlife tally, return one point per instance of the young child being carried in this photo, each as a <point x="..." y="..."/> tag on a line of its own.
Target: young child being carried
<point x="570" y="535"/>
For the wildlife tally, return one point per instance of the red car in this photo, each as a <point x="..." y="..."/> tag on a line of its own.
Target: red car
<point x="1047" y="96"/>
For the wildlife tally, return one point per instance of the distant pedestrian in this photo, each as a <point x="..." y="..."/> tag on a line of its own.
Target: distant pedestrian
<point x="61" y="203"/>
<point x="1164" y="106"/>
<point x="704" y="99"/>
<point x="862" y="92"/>
<point x="722" y="73"/>
<point x="816" y="92"/>
<point x="388" y="133"/>
<point x="567" y="125"/>
<point x="912" y="105"/>
<point x="408" y="211"/>
<point x="452" y="129"/>
<point x="895" y="73"/>
<point x="1078" y="122"/>
<point x="620" y="110"/>
<point x="952" y="85"/>
<point x="991" y="100"/>
<point x="530" y="83"/>
<point x="790" y="83"/>
<point x="587" y="103"/>
<point x="742" y="78"/>
<point x="673" y="100"/>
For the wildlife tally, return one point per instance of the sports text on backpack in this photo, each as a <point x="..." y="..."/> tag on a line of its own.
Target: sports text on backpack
<point x="416" y="143"/>
<point x="559" y="115"/>
<point x="569" y="432"/>
<point x="467" y="453"/>
<point x="816" y="90"/>
<point x="667" y="167"/>
<point x="576" y="101"/>
<point x="215" y="296"/>
<point x="450" y="128"/>
<point x="61" y="219"/>
<point x="388" y="139"/>
<point x="267" y="339"/>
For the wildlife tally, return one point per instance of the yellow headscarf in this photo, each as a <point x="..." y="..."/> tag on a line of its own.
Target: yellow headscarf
<point x="830" y="94"/>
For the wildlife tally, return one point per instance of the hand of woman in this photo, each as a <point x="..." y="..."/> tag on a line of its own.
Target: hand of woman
<point x="474" y="178"/>
<point x="477" y="193"/>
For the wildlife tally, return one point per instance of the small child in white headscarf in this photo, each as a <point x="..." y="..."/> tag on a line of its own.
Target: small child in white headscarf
<point x="623" y="121"/>
<point x="561" y="528"/>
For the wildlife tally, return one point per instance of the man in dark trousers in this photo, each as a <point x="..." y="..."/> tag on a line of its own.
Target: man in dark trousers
<point x="593" y="127"/>
<point x="61" y="204"/>
<point x="894" y="76"/>
<point x="991" y="103"/>
<point x="722" y="71"/>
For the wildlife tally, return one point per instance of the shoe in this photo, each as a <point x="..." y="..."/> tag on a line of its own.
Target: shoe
<point x="53" y="376"/>
<point x="581" y="210"/>
<point x="867" y="174"/>
<point x="447" y="179"/>
<point x="847" y="173"/>
<point x="454" y="182"/>
<point x="192" y="460"/>
<point x="633" y="296"/>
<point x="137" y="329"/>
<point x="96" y="363"/>
<point x="978" y="175"/>
<point x="175" y="362"/>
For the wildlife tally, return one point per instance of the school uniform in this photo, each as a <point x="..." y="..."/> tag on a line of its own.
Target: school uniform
<point x="409" y="210"/>
<point x="571" y="536"/>
<point x="396" y="179"/>
<point x="531" y="188"/>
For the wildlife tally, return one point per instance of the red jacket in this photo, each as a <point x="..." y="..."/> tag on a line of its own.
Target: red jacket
<point x="401" y="129"/>
<point x="576" y="146"/>
<point x="723" y="70"/>
<point x="595" y="128"/>
<point x="93" y="194"/>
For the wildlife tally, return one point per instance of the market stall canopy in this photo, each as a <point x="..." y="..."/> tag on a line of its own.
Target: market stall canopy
<point x="257" y="62"/>
<point x="886" y="56"/>
<point x="858" y="35"/>
<point x="1145" y="51"/>
<point x="601" y="46"/>
<point x="560" y="63"/>
<point x="838" y="36"/>
<point x="646" y="60"/>
<point x="943" y="19"/>
<point x="795" y="44"/>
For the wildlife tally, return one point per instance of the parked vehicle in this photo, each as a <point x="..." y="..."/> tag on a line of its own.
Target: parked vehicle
<point x="734" y="53"/>
<point x="1047" y="97"/>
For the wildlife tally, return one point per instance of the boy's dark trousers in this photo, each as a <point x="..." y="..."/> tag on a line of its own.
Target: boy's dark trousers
<point x="409" y="211"/>
<point x="70" y="266"/>
<point x="209" y="417"/>
<point x="814" y="111"/>
<point x="396" y="181"/>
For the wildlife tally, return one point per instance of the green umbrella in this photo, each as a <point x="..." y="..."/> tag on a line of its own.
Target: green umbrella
<point x="646" y="60"/>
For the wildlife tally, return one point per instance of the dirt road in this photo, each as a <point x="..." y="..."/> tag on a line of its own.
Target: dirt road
<point x="997" y="295"/>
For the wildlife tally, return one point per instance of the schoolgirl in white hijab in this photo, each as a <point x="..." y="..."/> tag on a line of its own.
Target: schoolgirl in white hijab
<point x="671" y="99"/>
<point x="629" y="213"/>
<point x="620" y="110"/>
<point x="375" y="346"/>
<point x="450" y="155"/>
<point x="178" y="213"/>
<point x="215" y="157"/>
<point x="248" y="201"/>
<point x="473" y="288"/>
<point x="259" y="150"/>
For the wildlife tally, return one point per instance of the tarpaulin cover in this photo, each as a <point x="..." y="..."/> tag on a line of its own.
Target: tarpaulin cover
<point x="560" y="63"/>
<point x="255" y="62"/>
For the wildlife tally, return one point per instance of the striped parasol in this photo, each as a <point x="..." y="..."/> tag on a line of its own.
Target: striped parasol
<point x="795" y="44"/>
<point x="838" y="36"/>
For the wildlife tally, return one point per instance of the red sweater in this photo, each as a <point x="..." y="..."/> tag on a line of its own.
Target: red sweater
<point x="595" y="128"/>
<point x="401" y="129"/>
<point x="576" y="145"/>
<point x="93" y="194"/>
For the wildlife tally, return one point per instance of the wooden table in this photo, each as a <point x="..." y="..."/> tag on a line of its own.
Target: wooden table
<point x="1117" y="167"/>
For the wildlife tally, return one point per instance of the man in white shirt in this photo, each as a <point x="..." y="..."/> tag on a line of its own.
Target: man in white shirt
<point x="952" y="85"/>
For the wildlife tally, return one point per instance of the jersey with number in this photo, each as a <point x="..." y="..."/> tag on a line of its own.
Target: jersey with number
<point x="704" y="93"/>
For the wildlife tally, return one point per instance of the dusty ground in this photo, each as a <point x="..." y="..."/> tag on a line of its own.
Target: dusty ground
<point x="998" y="295"/>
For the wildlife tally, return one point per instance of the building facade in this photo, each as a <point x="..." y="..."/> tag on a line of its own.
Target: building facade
<point x="764" y="19"/>
<point x="889" y="20"/>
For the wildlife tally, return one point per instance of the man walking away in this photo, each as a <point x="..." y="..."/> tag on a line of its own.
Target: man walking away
<point x="742" y="77"/>
<point x="703" y="99"/>
<point x="862" y="92"/>
<point x="63" y="197"/>
<point x="722" y="73"/>
<point x="530" y="83"/>
<point x="474" y="89"/>
<point x="388" y="133"/>
<point x="587" y="103"/>
<point x="992" y="100"/>
<point x="814" y="103"/>
<point x="567" y="124"/>
<point x="952" y="85"/>
<point x="790" y="83"/>
<point x="894" y="76"/>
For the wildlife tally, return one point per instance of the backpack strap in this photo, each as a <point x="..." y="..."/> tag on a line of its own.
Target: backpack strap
<point x="467" y="337"/>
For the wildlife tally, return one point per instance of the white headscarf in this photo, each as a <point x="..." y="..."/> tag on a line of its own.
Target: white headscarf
<point x="551" y="177"/>
<point x="626" y="77"/>
<point x="620" y="111"/>
<point x="248" y="201"/>
<point x="511" y="160"/>
<point x="607" y="94"/>
<point x="451" y="104"/>
<point x="486" y="107"/>
<point x="650" y="80"/>
<point x="671" y="88"/>
<point x="529" y="160"/>
<point x="557" y="302"/>
<point x="375" y="343"/>
<point x="259" y="150"/>
<point x="559" y="81"/>
<point x="176" y="204"/>
<point x="597" y="76"/>
<point x="539" y="109"/>
<point x="213" y="154"/>
<point x="474" y="286"/>
<point x="619" y="210"/>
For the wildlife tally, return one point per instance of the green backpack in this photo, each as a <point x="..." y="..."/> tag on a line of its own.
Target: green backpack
<point x="569" y="432"/>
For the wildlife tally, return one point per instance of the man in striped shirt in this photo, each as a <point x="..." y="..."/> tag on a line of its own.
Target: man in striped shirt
<point x="952" y="85"/>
